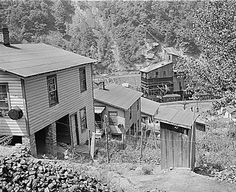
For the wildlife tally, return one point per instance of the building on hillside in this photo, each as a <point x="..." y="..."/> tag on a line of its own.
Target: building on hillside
<point x="46" y="95"/>
<point x="121" y="105"/>
<point x="230" y="113"/>
<point x="149" y="109"/>
<point x="177" y="133"/>
<point x="160" y="78"/>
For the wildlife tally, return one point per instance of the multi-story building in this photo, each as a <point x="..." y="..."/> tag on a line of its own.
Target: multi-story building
<point x="160" y="78"/>
<point x="46" y="95"/>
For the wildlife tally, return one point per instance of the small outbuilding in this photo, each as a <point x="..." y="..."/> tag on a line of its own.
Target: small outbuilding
<point x="177" y="133"/>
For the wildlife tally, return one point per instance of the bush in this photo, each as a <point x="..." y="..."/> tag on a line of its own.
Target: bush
<point x="216" y="148"/>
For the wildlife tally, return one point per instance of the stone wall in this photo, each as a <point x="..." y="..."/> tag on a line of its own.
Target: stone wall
<point x="51" y="139"/>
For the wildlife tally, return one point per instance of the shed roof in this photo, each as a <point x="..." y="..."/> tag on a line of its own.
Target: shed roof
<point x="181" y="118"/>
<point x="32" y="59"/>
<point x="155" y="66"/>
<point x="149" y="107"/>
<point x="172" y="50"/>
<point x="117" y="96"/>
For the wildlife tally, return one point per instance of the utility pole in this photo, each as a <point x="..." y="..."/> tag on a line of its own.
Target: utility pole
<point x="106" y="134"/>
<point x="141" y="146"/>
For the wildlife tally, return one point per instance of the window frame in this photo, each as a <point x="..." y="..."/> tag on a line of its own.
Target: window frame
<point x="82" y="79"/>
<point x="83" y="120"/>
<point x="109" y="118"/>
<point x="51" y="104"/>
<point x="6" y="99"/>
<point x="138" y="105"/>
<point x="130" y="113"/>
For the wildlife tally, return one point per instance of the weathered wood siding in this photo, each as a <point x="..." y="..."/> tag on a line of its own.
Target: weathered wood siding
<point x="7" y="125"/>
<point x="120" y="112"/>
<point x="71" y="100"/>
<point x="177" y="147"/>
<point x="136" y="116"/>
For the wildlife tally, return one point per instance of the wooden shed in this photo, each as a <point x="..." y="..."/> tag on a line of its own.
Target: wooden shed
<point x="178" y="130"/>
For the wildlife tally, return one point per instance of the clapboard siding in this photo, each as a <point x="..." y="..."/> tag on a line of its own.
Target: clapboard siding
<point x="7" y="125"/>
<point x="70" y="99"/>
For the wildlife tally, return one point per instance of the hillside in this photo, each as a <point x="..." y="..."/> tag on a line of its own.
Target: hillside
<point x="118" y="34"/>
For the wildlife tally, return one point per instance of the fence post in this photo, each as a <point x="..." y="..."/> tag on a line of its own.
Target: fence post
<point x="141" y="146"/>
<point x="106" y="134"/>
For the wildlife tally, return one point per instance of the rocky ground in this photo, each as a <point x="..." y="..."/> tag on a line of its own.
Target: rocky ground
<point x="21" y="172"/>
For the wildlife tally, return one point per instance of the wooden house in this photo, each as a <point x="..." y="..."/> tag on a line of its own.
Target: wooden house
<point x="230" y="113"/>
<point x="46" y="96"/>
<point x="121" y="105"/>
<point x="178" y="130"/>
<point x="149" y="109"/>
<point x="160" y="78"/>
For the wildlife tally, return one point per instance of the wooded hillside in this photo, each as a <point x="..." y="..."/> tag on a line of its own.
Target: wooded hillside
<point x="116" y="32"/>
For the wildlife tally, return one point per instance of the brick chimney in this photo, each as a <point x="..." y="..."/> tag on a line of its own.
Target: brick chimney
<point x="4" y="36"/>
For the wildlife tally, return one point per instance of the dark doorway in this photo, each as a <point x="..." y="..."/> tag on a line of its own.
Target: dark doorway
<point x="40" y="139"/>
<point x="63" y="130"/>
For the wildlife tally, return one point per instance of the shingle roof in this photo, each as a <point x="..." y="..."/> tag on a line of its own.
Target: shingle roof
<point x="155" y="66"/>
<point x="32" y="59"/>
<point x="172" y="51"/>
<point x="182" y="118"/>
<point x="118" y="96"/>
<point x="148" y="106"/>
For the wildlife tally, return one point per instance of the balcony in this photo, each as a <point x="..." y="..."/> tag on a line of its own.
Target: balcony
<point x="145" y="81"/>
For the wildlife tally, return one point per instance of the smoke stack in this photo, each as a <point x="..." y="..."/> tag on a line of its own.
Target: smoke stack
<point x="5" y="36"/>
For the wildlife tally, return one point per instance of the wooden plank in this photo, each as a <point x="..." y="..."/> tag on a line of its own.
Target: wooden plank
<point x="7" y="125"/>
<point x="169" y="149"/>
<point x="185" y="162"/>
<point x="177" y="149"/>
<point x="163" y="148"/>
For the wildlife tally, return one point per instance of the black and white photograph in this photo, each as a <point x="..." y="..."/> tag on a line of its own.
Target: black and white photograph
<point x="117" y="96"/>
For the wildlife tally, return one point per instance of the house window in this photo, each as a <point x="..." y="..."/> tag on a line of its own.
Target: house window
<point x="113" y="117"/>
<point x="137" y="105"/>
<point x="52" y="90"/>
<point x="4" y="102"/>
<point x="164" y="73"/>
<point x="130" y="113"/>
<point x="82" y="76"/>
<point x="83" y="119"/>
<point x="156" y="74"/>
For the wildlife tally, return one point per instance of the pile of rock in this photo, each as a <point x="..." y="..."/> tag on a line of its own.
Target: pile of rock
<point x="20" y="172"/>
<point x="228" y="174"/>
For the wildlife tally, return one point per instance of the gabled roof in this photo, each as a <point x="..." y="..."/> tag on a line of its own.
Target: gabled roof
<point x="149" y="107"/>
<point x="181" y="118"/>
<point x="230" y="109"/>
<point x="155" y="66"/>
<point x="27" y="60"/>
<point x="172" y="51"/>
<point x="117" y="96"/>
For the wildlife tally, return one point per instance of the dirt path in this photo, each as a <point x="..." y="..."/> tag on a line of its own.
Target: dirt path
<point x="172" y="181"/>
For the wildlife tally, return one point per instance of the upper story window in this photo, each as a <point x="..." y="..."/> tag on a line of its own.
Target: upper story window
<point x="164" y="73"/>
<point x="82" y="78"/>
<point x="130" y="113"/>
<point x="4" y="101"/>
<point x="52" y="90"/>
<point x="156" y="74"/>
<point x="83" y="119"/>
<point x="112" y="117"/>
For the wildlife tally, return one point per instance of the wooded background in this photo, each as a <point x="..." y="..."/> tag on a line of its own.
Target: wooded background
<point x="115" y="33"/>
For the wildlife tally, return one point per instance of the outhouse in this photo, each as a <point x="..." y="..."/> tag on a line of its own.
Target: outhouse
<point x="177" y="134"/>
